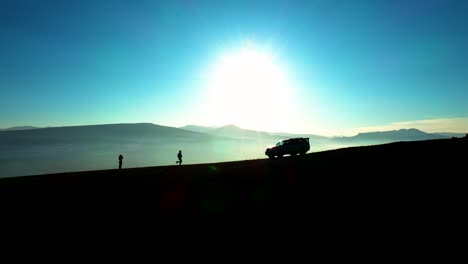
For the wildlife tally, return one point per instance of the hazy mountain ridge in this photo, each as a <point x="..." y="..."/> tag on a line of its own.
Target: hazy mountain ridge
<point x="195" y="128"/>
<point x="234" y="131"/>
<point x="106" y="132"/>
<point x="229" y="131"/>
<point x="310" y="136"/>
<point x="450" y="134"/>
<point x="391" y="136"/>
<point x="18" y="128"/>
<point x="149" y="130"/>
<point x="75" y="148"/>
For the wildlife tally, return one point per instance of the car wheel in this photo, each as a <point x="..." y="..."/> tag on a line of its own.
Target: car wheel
<point x="280" y="155"/>
<point x="293" y="154"/>
<point x="271" y="156"/>
<point x="303" y="153"/>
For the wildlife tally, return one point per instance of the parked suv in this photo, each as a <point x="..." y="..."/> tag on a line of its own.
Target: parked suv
<point x="290" y="146"/>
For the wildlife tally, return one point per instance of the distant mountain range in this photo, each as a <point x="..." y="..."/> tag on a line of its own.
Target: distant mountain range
<point x="18" y="128"/>
<point x="195" y="128"/>
<point x="233" y="131"/>
<point x="392" y="136"/>
<point x="30" y="150"/>
<point x="228" y="131"/>
<point x="412" y="134"/>
<point x="450" y="134"/>
<point x="95" y="133"/>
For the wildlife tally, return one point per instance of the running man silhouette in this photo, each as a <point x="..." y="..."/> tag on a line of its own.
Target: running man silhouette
<point x="120" y="161"/>
<point x="180" y="157"/>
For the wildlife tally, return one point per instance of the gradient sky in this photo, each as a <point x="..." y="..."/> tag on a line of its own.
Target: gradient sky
<point x="349" y="64"/>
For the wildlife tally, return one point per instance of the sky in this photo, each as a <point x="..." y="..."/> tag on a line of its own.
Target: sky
<point x="323" y="67"/>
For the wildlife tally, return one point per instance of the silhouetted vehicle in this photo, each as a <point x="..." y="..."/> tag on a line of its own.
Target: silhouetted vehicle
<point x="290" y="146"/>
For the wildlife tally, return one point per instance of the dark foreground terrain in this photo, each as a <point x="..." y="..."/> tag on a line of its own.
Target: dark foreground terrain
<point x="404" y="183"/>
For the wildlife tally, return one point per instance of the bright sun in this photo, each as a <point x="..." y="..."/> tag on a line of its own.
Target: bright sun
<point x="249" y="88"/>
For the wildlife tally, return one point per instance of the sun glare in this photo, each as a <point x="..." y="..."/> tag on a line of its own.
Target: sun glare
<point x="249" y="88"/>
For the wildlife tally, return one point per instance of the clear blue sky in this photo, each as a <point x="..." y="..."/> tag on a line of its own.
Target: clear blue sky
<point x="350" y="64"/>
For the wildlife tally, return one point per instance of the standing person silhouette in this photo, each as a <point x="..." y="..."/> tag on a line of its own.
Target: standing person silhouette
<point x="120" y="161"/>
<point x="180" y="157"/>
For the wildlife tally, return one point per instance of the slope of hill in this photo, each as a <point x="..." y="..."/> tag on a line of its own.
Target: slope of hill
<point x="414" y="182"/>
